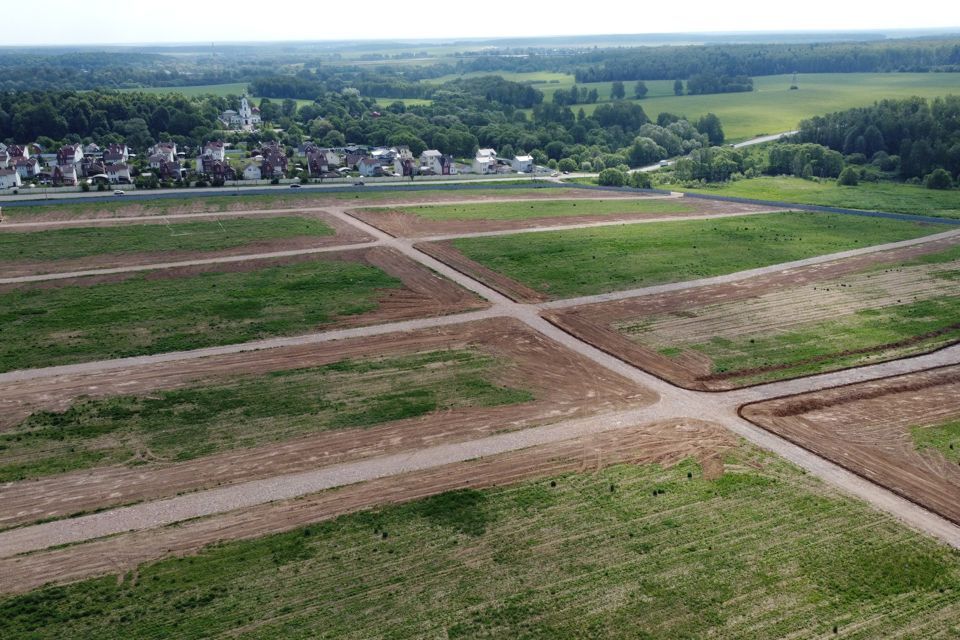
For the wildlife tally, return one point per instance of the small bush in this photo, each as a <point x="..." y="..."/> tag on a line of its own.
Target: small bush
<point x="612" y="178"/>
<point x="938" y="179"/>
<point x="640" y="180"/>
<point x="849" y="177"/>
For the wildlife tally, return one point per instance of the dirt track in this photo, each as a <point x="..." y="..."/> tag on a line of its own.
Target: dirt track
<point x="565" y="386"/>
<point x="400" y="222"/>
<point x="866" y="428"/>
<point x="664" y="443"/>
<point x="344" y="234"/>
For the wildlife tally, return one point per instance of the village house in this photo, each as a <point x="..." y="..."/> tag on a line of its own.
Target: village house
<point x="91" y="150"/>
<point x="370" y="167"/>
<point x="4" y="159"/>
<point x="27" y="167"/>
<point x="118" y="173"/>
<point x="16" y="151"/>
<point x="90" y="168"/>
<point x="274" y="164"/>
<point x="116" y="154"/>
<point x="9" y="179"/>
<point x="252" y="172"/>
<point x="166" y="150"/>
<point x="170" y="170"/>
<point x="523" y="164"/>
<point x="484" y="165"/>
<point x="322" y="161"/>
<point x="217" y="170"/>
<point x="215" y="150"/>
<point x="434" y="162"/>
<point x="65" y="175"/>
<point x="71" y="154"/>
<point x="405" y="167"/>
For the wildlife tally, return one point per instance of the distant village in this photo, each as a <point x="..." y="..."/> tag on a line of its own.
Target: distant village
<point x="215" y="163"/>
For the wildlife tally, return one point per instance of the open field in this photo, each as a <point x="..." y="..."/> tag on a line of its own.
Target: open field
<point x="943" y="438"/>
<point x="274" y="201"/>
<point x="161" y="429"/>
<point x="872" y="429"/>
<point x="628" y="551"/>
<point x="183" y="308"/>
<point x="872" y="196"/>
<point x="799" y="321"/>
<point x="431" y="220"/>
<point x="106" y="243"/>
<point x="562" y="264"/>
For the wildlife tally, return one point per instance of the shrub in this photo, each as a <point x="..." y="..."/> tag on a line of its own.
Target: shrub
<point x="612" y="178"/>
<point x="938" y="179"/>
<point x="640" y="180"/>
<point x="849" y="177"/>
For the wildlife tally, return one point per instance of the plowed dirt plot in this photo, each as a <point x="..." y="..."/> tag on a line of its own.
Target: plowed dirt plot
<point x="82" y="442"/>
<point x="880" y="430"/>
<point x="547" y="542"/>
<point x="581" y="262"/>
<point x="430" y="220"/>
<point x="786" y="324"/>
<point x="173" y="309"/>
<point x="109" y="243"/>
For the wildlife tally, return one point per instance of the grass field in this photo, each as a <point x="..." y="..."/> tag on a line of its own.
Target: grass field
<point x="207" y="235"/>
<point x="872" y="196"/>
<point x="279" y="200"/>
<point x="584" y="262"/>
<point x="410" y="102"/>
<point x="150" y="313"/>
<point x="628" y="552"/>
<point x="772" y="107"/>
<point x="944" y="438"/>
<point x="246" y="411"/>
<point x="228" y="89"/>
<point x="520" y="210"/>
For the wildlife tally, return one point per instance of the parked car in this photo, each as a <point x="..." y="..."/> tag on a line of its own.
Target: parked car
<point x="664" y="163"/>
<point x="358" y="183"/>
<point x="294" y="186"/>
<point x="119" y="192"/>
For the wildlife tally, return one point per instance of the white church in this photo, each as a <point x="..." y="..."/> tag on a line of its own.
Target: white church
<point x="247" y="119"/>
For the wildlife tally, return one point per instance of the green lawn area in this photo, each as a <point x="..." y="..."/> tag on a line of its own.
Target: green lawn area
<point x="825" y="346"/>
<point x="872" y="196"/>
<point x="207" y="235"/>
<point x="410" y="102"/>
<point x="227" y="89"/>
<point x="150" y="313"/>
<point x="521" y="210"/>
<point x="944" y="438"/>
<point x="281" y="200"/>
<point x="627" y="552"/>
<point x="588" y="261"/>
<point x="250" y="410"/>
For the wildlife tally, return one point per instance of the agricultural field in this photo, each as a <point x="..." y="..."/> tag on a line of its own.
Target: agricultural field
<point x="803" y="321"/>
<point x="159" y="429"/>
<point x="563" y="264"/>
<point x="227" y="89"/>
<point x="896" y="432"/>
<point x="128" y="314"/>
<point x="626" y="551"/>
<point x="430" y="220"/>
<point x="105" y="243"/>
<point x="894" y="197"/>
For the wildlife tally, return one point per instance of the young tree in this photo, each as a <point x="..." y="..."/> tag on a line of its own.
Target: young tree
<point x="617" y="91"/>
<point x="710" y="125"/>
<point x="849" y="177"/>
<point x="640" y="90"/>
<point x="612" y="178"/>
<point x="678" y="87"/>
<point x="938" y="179"/>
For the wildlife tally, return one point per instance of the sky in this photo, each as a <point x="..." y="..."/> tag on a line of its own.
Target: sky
<point x="111" y="22"/>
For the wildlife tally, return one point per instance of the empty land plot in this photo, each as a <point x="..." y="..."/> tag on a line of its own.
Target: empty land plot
<point x="889" y="431"/>
<point x="799" y="321"/>
<point x="426" y="220"/>
<point x="106" y="244"/>
<point x="570" y="263"/>
<point x="89" y="441"/>
<point x="636" y="550"/>
<point x="183" y="308"/>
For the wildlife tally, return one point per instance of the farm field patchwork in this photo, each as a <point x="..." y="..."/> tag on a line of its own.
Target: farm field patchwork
<point x="893" y="431"/>
<point x="800" y="321"/>
<point x="153" y="430"/>
<point x="427" y="220"/>
<point x="191" y="307"/>
<point x="627" y="551"/>
<point x="871" y="196"/>
<point x="563" y="264"/>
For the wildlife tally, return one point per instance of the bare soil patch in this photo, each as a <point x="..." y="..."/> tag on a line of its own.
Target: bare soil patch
<point x="665" y="443"/>
<point x="401" y="221"/>
<point x="565" y="385"/>
<point x="866" y="428"/>
<point x="344" y="234"/>
<point x="687" y="314"/>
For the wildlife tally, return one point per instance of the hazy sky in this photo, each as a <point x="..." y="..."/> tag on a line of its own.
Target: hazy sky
<point x="110" y="21"/>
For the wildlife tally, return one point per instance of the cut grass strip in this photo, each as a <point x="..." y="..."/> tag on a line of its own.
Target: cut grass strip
<point x="521" y="210"/>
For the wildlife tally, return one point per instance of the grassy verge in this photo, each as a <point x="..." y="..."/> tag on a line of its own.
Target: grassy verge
<point x="149" y="314"/>
<point x="944" y="438"/>
<point x="872" y="196"/>
<point x="249" y="410"/>
<point x="628" y="552"/>
<point x="523" y="210"/>
<point x="589" y="261"/>
<point x="280" y="200"/>
<point x="207" y="235"/>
